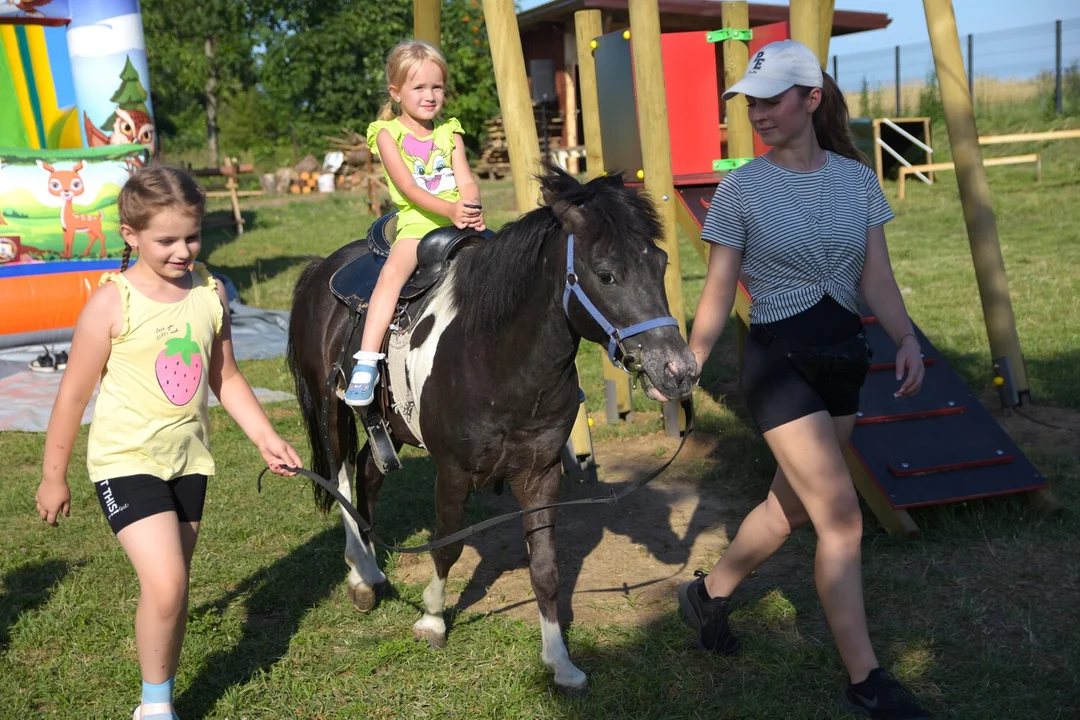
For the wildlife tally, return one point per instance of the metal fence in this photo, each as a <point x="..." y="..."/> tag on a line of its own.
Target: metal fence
<point x="1037" y="64"/>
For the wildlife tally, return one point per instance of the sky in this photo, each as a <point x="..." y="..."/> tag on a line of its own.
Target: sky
<point x="909" y="23"/>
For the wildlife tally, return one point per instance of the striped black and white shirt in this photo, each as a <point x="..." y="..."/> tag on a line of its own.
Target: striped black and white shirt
<point x="802" y="234"/>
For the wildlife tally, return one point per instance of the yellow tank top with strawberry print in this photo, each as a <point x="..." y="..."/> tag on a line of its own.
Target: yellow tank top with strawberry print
<point x="151" y="411"/>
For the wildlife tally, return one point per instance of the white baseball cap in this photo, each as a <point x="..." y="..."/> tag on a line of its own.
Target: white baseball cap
<point x="777" y="67"/>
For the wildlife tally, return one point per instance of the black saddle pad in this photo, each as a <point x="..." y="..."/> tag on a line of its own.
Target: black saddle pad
<point x="354" y="282"/>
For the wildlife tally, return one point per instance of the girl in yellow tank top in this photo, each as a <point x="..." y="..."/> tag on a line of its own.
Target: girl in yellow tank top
<point x="157" y="337"/>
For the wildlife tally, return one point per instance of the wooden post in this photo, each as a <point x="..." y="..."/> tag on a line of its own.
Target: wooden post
<point x="514" y="101"/>
<point x="825" y="20"/>
<point x="656" y="157"/>
<point x="975" y="192"/>
<point x="587" y="27"/>
<point x="805" y="17"/>
<point x="740" y="137"/>
<point x="740" y="140"/>
<point x="427" y="21"/>
<point x="617" y="385"/>
<point x="230" y="171"/>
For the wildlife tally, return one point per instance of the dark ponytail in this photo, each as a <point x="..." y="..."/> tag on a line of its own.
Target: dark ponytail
<point x="127" y="257"/>
<point x="831" y="121"/>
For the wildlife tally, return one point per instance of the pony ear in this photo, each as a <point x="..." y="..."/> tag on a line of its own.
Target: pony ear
<point x="570" y="216"/>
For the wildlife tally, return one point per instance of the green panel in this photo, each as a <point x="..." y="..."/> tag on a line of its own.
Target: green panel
<point x="12" y="130"/>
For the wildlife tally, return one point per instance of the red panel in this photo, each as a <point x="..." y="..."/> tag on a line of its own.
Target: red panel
<point x="870" y="420"/>
<point x="930" y="470"/>
<point x="693" y="105"/>
<point x="763" y="35"/>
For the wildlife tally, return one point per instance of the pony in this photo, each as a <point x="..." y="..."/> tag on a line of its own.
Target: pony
<point x="490" y="363"/>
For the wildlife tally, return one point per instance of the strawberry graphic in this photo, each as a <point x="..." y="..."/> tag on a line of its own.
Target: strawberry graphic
<point x="179" y="368"/>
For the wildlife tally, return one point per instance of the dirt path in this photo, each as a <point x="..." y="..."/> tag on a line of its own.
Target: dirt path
<point x="620" y="564"/>
<point x="616" y="563"/>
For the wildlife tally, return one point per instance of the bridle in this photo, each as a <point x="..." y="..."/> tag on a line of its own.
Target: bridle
<point x="624" y="359"/>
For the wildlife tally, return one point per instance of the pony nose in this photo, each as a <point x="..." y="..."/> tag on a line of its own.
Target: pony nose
<point x="678" y="370"/>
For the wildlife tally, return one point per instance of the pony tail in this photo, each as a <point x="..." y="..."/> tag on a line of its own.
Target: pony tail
<point x="386" y="112"/>
<point x="127" y="257"/>
<point x="831" y="122"/>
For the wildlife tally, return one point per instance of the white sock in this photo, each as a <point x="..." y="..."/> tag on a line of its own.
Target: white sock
<point x="370" y="357"/>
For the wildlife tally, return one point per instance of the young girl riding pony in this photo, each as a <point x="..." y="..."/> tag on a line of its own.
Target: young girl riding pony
<point x="157" y="337"/>
<point x="428" y="175"/>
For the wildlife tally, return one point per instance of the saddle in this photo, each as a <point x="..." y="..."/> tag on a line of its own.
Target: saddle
<point x="354" y="282"/>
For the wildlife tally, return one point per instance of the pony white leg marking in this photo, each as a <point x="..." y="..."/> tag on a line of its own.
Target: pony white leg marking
<point x="420" y="360"/>
<point x="432" y="627"/>
<point x="364" y="572"/>
<point x="555" y="656"/>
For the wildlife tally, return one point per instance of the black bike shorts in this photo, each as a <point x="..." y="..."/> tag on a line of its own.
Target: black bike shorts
<point x="775" y="392"/>
<point x="128" y="499"/>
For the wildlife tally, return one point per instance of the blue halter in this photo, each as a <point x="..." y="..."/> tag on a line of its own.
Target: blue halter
<point x="615" y="335"/>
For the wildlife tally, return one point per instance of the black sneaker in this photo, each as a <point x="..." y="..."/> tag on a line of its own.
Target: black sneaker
<point x="708" y="617"/>
<point x="43" y="363"/>
<point x="881" y="697"/>
<point x="61" y="360"/>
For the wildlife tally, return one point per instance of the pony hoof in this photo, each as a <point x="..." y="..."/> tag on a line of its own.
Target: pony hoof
<point x="363" y="598"/>
<point x="433" y="638"/>
<point x="580" y="690"/>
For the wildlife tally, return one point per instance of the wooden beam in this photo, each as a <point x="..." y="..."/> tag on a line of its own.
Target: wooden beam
<point x="656" y="157"/>
<point x="825" y="22"/>
<point x="522" y="142"/>
<point x="896" y="522"/>
<point x="901" y="192"/>
<point x="805" y="18"/>
<point x="587" y="27"/>
<point x="427" y="21"/>
<point x="974" y="191"/>
<point x="740" y="137"/>
<point x="1029" y="137"/>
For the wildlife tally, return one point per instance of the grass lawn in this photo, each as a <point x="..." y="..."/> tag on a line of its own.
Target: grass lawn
<point x="978" y="615"/>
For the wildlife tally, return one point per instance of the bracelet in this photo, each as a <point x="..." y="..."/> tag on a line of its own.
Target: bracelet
<point x="908" y="335"/>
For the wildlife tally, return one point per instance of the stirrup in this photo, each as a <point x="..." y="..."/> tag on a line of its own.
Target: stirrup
<point x="361" y="390"/>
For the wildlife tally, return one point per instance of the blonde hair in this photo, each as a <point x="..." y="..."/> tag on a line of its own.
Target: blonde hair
<point x="151" y="190"/>
<point x="402" y="60"/>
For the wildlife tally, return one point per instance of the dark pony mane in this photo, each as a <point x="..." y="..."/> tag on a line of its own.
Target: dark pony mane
<point x="492" y="280"/>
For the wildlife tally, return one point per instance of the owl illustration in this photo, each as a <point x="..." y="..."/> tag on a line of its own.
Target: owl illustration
<point x="131" y="127"/>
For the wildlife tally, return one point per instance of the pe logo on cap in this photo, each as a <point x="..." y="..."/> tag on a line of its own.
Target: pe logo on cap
<point x="759" y="60"/>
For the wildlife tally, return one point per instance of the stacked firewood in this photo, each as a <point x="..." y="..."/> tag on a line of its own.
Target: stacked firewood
<point x="494" y="159"/>
<point x="360" y="165"/>
<point x="306" y="176"/>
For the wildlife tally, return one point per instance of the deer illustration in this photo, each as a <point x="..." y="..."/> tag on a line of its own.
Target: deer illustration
<point x="68" y="185"/>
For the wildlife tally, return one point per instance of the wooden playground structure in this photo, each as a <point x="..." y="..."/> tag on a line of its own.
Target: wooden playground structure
<point x="896" y="456"/>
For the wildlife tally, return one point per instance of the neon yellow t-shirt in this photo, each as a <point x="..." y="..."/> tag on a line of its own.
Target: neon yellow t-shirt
<point x="151" y="411"/>
<point x="429" y="161"/>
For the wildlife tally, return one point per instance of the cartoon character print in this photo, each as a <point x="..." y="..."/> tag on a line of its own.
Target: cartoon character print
<point x="428" y="163"/>
<point x="179" y="368"/>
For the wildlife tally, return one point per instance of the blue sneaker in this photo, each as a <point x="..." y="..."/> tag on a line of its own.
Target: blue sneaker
<point x="361" y="390"/>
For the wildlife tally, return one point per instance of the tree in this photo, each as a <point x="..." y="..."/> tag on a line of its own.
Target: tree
<point x="199" y="53"/>
<point x="131" y="95"/>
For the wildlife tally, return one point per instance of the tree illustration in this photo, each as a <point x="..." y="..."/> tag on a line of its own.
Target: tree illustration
<point x="131" y="95"/>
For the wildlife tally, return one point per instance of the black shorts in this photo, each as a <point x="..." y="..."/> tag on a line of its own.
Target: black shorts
<point x="775" y="391"/>
<point x="129" y="499"/>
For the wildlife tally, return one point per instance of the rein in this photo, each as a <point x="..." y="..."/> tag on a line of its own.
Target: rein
<point x="609" y="499"/>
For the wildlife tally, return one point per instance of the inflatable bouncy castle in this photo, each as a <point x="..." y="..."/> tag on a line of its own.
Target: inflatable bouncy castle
<point x="75" y="122"/>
